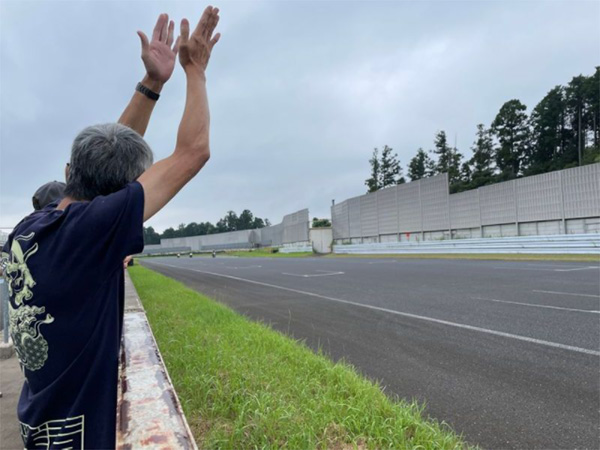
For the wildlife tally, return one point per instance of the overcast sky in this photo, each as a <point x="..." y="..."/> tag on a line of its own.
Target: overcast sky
<point x="300" y="92"/>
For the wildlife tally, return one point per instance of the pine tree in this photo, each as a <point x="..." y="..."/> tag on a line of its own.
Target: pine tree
<point x="443" y="152"/>
<point x="510" y="127"/>
<point x="390" y="171"/>
<point x="420" y="166"/>
<point x="449" y="159"/>
<point x="548" y="125"/>
<point x="481" y="163"/>
<point x="373" y="182"/>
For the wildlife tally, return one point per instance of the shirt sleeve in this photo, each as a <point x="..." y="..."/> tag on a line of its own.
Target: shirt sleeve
<point x="115" y="223"/>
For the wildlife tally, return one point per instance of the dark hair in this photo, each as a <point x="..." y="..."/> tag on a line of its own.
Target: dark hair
<point x="104" y="158"/>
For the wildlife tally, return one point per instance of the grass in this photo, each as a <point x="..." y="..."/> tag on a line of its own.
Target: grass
<point x="486" y="256"/>
<point x="243" y="385"/>
<point x="266" y="252"/>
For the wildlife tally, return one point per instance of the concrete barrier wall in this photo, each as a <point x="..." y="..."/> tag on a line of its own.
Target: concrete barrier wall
<point x="293" y="229"/>
<point x="321" y="239"/>
<point x="424" y="209"/>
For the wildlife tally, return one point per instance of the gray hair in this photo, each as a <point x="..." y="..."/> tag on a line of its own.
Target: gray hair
<point x="104" y="158"/>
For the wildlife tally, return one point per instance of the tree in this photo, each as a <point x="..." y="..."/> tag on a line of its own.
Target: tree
<point x="420" y="165"/>
<point x="385" y="171"/>
<point x="245" y="221"/>
<point x="320" y="223"/>
<point x="510" y="127"/>
<point x="442" y="150"/>
<point x="258" y="223"/>
<point x="389" y="168"/>
<point x="231" y="221"/>
<point x="168" y="233"/>
<point x="582" y="108"/>
<point x="592" y="88"/>
<point x="481" y="171"/>
<point x="448" y="158"/>
<point x="151" y="237"/>
<point x="373" y="182"/>
<point x="548" y="132"/>
<point x="222" y="226"/>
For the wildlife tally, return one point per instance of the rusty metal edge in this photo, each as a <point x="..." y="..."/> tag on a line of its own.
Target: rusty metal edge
<point x="126" y="397"/>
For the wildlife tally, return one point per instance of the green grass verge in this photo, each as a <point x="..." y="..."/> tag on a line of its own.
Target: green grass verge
<point x="243" y="385"/>
<point x="267" y="253"/>
<point x="488" y="256"/>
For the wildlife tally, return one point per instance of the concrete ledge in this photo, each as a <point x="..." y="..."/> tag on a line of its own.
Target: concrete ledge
<point x="148" y="410"/>
<point x="6" y="350"/>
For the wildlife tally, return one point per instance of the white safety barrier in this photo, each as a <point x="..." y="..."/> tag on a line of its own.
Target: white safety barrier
<point x="555" y="244"/>
<point x="296" y="249"/>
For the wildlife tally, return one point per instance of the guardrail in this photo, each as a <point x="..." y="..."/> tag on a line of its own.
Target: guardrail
<point x="555" y="244"/>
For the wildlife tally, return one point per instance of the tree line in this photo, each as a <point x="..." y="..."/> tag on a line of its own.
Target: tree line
<point x="562" y="131"/>
<point x="230" y="222"/>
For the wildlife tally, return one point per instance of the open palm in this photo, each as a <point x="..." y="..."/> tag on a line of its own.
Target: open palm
<point x="159" y="55"/>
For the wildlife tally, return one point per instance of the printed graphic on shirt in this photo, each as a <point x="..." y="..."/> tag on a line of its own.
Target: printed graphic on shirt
<point x="24" y="320"/>
<point x="64" y="434"/>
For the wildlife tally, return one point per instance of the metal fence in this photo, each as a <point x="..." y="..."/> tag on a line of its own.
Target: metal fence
<point x="292" y="230"/>
<point x="562" y="202"/>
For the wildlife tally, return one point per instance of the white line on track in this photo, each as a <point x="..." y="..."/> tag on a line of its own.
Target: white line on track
<point x="524" y="268"/>
<point x="577" y="268"/>
<point x="568" y="293"/>
<point x="301" y="275"/>
<point x="536" y="305"/>
<point x="545" y="269"/>
<point x="391" y="311"/>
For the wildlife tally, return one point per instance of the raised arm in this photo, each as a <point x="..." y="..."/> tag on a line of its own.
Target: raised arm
<point x="159" y="57"/>
<point x="165" y="178"/>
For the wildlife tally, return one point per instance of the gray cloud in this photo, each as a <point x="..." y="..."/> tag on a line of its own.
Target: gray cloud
<point x="300" y="92"/>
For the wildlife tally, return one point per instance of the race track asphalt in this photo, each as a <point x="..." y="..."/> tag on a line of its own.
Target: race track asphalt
<point x="507" y="353"/>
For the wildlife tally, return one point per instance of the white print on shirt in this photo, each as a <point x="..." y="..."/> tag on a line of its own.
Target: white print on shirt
<point x="24" y="325"/>
<point x="63" y="434"/>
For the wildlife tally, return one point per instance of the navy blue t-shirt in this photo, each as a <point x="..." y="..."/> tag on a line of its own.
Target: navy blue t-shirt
<point x="64" y="270"/>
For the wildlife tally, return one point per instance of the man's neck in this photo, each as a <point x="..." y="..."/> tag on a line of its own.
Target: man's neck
<point x="65" y="202"/>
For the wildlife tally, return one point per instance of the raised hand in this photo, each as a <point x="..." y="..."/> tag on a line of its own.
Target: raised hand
<point x="159" y="54"/>
<point x="195" y="50"/>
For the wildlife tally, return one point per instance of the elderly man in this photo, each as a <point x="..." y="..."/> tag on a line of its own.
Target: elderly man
<point x="64" y="264"/>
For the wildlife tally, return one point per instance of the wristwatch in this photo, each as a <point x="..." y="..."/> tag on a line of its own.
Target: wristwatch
<point x="147" y="92"/>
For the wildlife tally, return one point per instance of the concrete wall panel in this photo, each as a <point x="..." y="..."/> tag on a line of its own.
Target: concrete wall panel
<point x="387" y="209"/>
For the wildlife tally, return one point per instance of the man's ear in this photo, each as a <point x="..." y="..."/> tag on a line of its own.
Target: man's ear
<point x="67" y="167"/>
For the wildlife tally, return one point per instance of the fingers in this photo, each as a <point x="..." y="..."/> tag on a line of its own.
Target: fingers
<point x="158" y="27"/>
<point x="144" y="39"/>
<point x="176" y="47"/>
<point x="214" y="40"/>
<point x="201" y="27"/>
<point x="213" y="23"/>
<point x="184" y="32"/>
<point x="170" y="33"/>
<point x="164" y="30"/>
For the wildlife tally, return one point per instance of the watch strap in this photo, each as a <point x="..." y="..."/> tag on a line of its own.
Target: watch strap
<point x="147" y="92"/>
